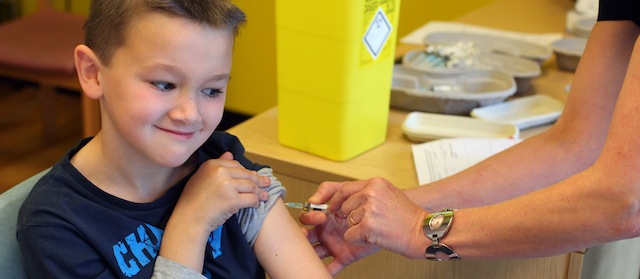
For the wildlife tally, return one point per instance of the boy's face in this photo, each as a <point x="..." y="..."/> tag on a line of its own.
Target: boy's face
<point x="164" y="92"/>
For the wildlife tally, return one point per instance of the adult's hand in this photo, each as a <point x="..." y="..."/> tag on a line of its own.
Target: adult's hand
<point x="327" y="233"/>
<point x="377" y="213"/>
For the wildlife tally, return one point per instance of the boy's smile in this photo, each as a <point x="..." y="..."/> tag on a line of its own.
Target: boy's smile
<point x="178" y="133"/>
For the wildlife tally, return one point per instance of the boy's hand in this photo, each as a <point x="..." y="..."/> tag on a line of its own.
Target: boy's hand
<point x="218" y="189"/>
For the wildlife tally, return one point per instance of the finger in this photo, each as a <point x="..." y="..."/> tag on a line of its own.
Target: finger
<point x="325" y="191"/>
<point x="248" y="184"/>
<point x="263" y="195"/>
<point x="263" y="181"/>
<point x="310" y="234"/>
<point x="248" y="200"/>
<point x="345" y="192"/>
<point x="313" y="218"/>
<point x="354" y="235"/>
<point x="352" y="219"/>
<point x="334" y="267"/>
<point x="226" y="156"/>
<point x="217" y="163"/>
<point x="244" y="186"/>
<point x="253" y="176"/>
<point x="322" y="251"/>
<point x="227" y="161"/>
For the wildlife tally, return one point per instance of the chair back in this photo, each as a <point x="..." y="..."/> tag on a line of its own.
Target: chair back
<point x="11" y="261"/>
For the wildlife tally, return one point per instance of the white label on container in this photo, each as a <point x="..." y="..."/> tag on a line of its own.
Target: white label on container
<point x="377" y="33"/>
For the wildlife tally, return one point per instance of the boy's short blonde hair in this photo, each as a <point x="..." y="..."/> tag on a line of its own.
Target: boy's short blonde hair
<point x="107" y="26"/>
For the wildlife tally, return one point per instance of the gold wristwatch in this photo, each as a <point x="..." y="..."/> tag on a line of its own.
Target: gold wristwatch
<point x="435" y="226"/>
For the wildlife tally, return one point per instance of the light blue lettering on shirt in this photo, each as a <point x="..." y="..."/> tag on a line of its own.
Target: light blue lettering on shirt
<point x="139" y="248"/>
<point x="214" y="242"/>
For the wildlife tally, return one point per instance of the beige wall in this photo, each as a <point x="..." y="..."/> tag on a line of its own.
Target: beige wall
<point x="253" y="86"/>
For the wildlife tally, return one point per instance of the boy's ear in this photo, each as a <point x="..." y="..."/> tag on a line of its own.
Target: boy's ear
<point x="88" y="68"/>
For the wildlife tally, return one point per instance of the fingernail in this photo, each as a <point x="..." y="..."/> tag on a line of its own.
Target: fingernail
<point x="265" y="180"/>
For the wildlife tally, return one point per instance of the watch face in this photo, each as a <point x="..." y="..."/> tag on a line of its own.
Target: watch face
<point x="436" y="222"/>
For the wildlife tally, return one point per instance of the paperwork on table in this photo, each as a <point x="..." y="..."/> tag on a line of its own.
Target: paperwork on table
<point x="438" y="159"/>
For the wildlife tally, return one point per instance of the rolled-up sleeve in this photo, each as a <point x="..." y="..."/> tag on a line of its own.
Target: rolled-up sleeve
<point x="251" y="219"/>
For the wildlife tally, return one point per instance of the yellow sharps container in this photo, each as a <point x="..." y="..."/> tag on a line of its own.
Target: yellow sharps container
<point x="334" y="66"/>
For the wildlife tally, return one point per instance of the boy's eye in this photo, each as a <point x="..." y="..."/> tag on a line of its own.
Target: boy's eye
<point x="211" y="92"/>
<point x="163" y="86"/>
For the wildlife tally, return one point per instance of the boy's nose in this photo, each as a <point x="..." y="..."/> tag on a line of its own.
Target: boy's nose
<point x="186" y="109"/>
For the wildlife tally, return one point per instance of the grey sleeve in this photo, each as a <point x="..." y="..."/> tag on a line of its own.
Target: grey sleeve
<point x="166" y="268"/>
<point x="251" y="219"/>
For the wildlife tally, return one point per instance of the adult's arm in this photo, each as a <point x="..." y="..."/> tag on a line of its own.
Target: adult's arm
<point x="571" y="187"/>
<point x="569" y="147"/>
<point x="574" y="186"/>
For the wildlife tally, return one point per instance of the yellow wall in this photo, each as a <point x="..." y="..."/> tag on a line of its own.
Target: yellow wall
<point x="75" y="6"/>
<point x="253" y="85"/>
<point x="252" y="88"/>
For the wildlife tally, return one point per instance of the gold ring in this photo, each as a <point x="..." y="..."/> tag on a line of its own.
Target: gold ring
<point x="353" y="222"/>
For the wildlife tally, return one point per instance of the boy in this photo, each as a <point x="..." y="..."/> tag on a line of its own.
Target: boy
<point x="156" y="192"/>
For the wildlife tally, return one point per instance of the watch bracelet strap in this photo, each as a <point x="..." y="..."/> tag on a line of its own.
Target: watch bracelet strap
<point x="432" y="252"/>
<point x="439" y="248"/>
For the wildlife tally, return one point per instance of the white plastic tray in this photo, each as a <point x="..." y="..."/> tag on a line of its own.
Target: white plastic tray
<point x="524" y="112"/>
<point x="570" y="46"/>
<point x="422" y="126"/>
<point x="514" y="47"/>
<point x="583" y="26"/>
<point x="515" y="66"/>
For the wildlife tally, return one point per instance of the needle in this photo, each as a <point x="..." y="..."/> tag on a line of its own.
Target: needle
<point x="307" y="206"/>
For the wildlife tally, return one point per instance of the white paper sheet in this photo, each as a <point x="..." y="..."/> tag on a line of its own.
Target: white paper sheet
<point x="438" y="159"/>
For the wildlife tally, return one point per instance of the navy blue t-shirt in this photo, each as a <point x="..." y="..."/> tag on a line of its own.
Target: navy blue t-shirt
<point x="619" y="10"/>
<point x="69" y="228"/>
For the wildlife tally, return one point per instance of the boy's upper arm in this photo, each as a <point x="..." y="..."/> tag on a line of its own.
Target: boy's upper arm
<point x="283" y="250"/>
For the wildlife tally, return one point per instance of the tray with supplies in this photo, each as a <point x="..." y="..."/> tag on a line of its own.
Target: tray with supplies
<point x="417" y="90"/>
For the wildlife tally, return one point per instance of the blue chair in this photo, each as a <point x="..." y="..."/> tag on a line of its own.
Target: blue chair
<point x="11" y="262"/>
